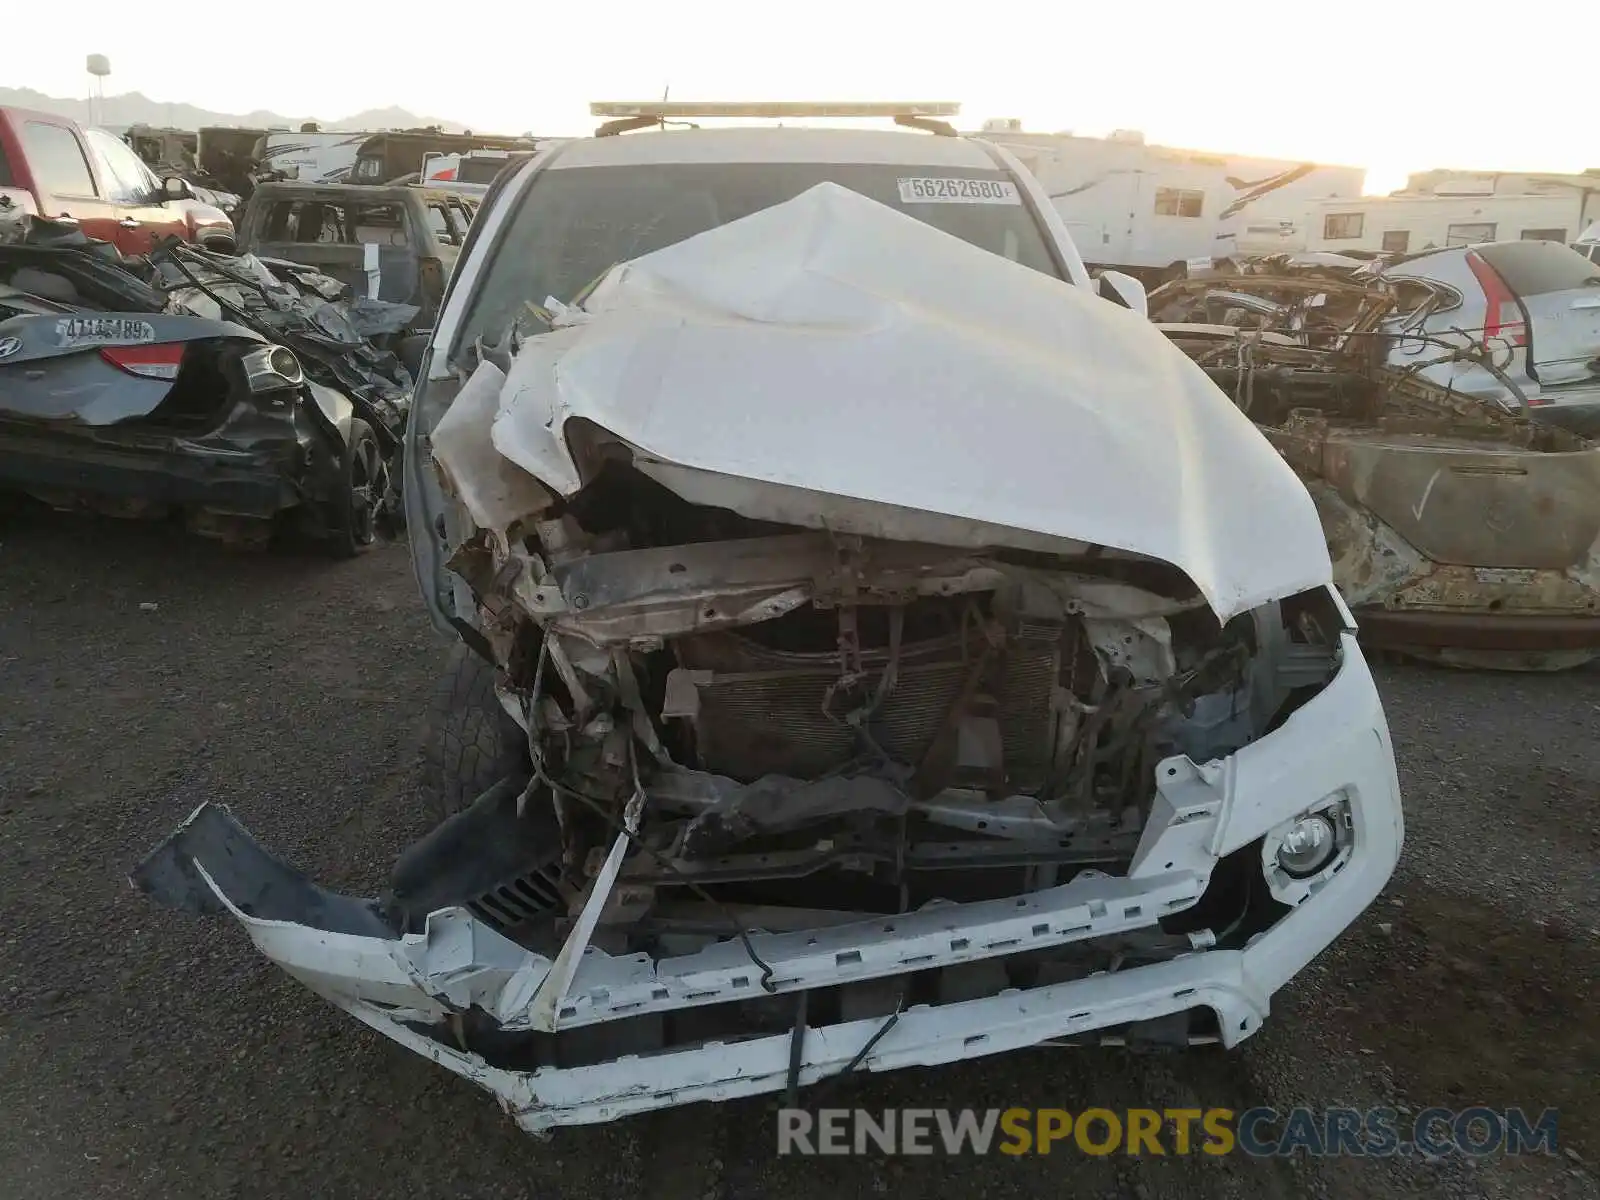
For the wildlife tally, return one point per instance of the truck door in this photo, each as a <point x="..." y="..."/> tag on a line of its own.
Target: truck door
<point x="143" y="218"/>
<point x="64" y="181"/>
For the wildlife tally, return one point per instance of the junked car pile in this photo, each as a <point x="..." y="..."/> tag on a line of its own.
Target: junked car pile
<point x="1436" y="408"/>
<point x="880" y="649"/>
<point x="231" y="389"/>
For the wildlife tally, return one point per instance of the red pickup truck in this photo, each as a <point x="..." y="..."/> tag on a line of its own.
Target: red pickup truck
<point x="53" y="167"/>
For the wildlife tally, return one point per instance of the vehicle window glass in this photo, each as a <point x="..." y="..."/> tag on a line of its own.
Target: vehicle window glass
<point x="1417" y="298"/>
<point x="1336" y="226"/>
<point x="152" y="184"/>
<point x="1535" y="268"/>
<point x="59" y="166"/>
<point x="7" y="179"/>
<point x="1179" y="202"/>
<point x="443" y="227"/>
<point x="1469" y="233"/>
<point x="483" y="170"/>
<point x="324" y="222"/>
<point x="125" y="178"/>
<point x="573" y="225"/>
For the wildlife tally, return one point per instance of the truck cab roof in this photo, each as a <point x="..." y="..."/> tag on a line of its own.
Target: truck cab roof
<point x="769" y="144"/>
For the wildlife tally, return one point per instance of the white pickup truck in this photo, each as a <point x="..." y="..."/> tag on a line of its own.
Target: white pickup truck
<point x="880" y="646"/>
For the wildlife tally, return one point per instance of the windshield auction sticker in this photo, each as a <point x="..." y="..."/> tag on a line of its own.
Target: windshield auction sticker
<point x="103" y="331"/>
<point x="958" y="191"/>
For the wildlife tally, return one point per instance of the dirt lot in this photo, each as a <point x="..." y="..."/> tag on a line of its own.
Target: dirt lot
<point x="143" y="1054"/>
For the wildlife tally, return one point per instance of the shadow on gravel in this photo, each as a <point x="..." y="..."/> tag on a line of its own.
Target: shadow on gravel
<point x="167" y="539"/>
<point x="1471" y="1009"/>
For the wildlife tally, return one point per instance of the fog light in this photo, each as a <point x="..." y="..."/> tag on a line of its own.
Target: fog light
<point x="1307" y="847"/>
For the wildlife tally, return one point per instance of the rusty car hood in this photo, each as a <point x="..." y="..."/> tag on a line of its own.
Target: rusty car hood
<point x="1463" y="501"/>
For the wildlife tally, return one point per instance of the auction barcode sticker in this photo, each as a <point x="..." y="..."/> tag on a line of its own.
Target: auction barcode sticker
<point x="958" y="191"/>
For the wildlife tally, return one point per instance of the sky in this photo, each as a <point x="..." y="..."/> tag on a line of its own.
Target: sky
<point x="1394" y="86"/>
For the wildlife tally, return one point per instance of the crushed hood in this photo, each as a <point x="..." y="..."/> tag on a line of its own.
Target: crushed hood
<point x="832" y="363"/>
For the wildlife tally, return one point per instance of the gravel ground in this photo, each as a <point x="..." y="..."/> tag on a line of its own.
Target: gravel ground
<point x="144" y="1054"/>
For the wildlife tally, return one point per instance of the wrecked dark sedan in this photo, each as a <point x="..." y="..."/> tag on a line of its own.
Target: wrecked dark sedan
<point x="126" y="395"/>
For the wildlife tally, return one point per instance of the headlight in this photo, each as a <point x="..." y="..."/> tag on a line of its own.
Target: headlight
<point x="272" y="369"/>
<point x="1299" y="856"/>
<point x="1307" y="847"/>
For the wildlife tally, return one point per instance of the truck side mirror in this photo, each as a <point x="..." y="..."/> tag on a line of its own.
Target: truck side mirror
<point x="174" y="187"/>
<point x="1123" y="289"/>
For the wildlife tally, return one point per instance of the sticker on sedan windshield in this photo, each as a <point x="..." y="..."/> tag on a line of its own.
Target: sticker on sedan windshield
<point x="958" y="191"/>
<point x="102" y="331"/>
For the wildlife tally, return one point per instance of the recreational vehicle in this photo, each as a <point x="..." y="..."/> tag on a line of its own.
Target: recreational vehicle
<point x="1405" y="224"/>
<point x="1151" y="209"/>
<point x="311" y="155"/>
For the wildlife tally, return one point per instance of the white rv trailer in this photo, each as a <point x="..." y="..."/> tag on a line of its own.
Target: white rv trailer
<point x="1402" y="223"/>
<point x="1449" y="182"/>
<point x="311" y="156"/>
<point x="1153" y="209"/>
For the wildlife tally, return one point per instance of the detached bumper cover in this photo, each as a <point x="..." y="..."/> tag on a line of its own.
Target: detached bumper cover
<point x="459" y="969"/>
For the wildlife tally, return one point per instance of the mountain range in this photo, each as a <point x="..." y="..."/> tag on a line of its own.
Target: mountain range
<point x="135" y="108"/>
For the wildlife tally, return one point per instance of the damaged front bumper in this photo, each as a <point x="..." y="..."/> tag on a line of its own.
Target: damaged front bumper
<point x="561" y="1042"/>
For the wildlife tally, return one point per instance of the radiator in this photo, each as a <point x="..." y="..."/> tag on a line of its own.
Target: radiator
<point x="759" y="711"/>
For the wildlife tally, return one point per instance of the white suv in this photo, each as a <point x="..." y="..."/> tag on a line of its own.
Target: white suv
<point x="878" y="649"/>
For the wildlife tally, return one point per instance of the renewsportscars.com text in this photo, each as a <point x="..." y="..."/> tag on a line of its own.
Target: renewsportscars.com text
<point x="1257" y="1132"/>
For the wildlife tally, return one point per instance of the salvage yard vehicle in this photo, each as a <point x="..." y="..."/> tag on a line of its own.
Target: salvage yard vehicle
<point x="170" y="154"/>
<point x="406" y="239"/>
<point x="1588" y="243"/>
<point x="396" y="153"/>
<point x="470" y="173"/>
<point x="1537" y="304"/>
<point x="53" y="167"/>
<point x="878" y="649"/>
<point x="1430" y="405"/>
<point x="149" y="387"/>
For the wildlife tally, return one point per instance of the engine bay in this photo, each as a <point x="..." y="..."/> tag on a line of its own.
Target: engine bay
<point x="791" y="728"/>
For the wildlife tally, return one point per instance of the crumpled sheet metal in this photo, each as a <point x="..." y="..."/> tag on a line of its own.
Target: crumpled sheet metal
<point x="280" y="293"/>
<point x="287" y="303"/>
<point x="830" y="360"/>
<point x="733" y="812"/>
<point x="495" y="492"/>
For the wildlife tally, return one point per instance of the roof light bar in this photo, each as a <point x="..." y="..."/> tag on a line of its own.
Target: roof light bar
<point x="677" y="110"/>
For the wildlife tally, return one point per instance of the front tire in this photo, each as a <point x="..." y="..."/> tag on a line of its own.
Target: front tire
<point x="470" y="743"/>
